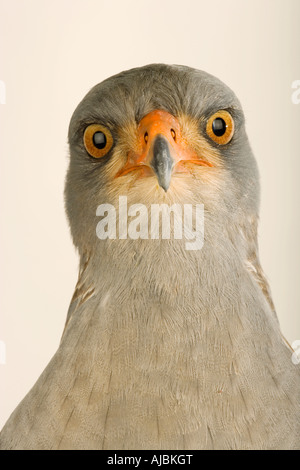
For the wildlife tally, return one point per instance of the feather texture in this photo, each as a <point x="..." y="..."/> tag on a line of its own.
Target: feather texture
<point x="165" y="348"/>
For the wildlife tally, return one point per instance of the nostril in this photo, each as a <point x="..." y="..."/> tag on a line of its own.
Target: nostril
<point x="173" y="133"/>
<point x="146" y="137"/>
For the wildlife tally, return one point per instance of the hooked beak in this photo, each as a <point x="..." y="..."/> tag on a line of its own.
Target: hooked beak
<point x="162" y="162"/>
<point x="161" y="149"/>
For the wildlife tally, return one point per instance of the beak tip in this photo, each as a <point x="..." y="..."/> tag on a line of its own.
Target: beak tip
<point x="162" y="162"/>
<point x="164" y="181"/>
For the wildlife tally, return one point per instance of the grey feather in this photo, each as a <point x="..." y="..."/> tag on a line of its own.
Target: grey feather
<point x="164" y="348"/>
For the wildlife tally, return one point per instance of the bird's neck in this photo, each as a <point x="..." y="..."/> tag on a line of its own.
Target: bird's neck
<point x="153" y="309"/>
<point x="163" y="272"/>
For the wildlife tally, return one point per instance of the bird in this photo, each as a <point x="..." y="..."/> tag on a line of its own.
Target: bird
<point x="163" y="347"/>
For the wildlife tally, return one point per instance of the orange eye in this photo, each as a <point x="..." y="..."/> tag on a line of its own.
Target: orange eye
<point x="220" y="127"/>
<point x="97" y="140"/>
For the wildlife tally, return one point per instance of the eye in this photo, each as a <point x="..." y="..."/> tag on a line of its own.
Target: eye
<point x="97" y="140"/>
<point x="220" y="127"/>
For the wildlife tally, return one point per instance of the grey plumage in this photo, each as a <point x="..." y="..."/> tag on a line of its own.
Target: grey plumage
<point x="164" y="348"/>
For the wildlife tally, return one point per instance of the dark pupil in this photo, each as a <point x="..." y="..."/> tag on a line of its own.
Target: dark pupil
<point x="99" y="140"/>
<point x="219" y="127"/>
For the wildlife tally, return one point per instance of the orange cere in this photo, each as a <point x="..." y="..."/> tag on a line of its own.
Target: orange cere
<point x="160" y="122"/>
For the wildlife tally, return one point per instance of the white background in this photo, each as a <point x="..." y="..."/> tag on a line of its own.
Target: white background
<point x="52" y="53"/>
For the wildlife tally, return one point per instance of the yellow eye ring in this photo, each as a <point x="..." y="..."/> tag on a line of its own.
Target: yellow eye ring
<point x="220" y="127"/>
<point x="97" y="140"/>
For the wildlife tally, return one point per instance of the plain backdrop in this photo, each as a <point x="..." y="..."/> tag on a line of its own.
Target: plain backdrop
<point x="51" y="54"/>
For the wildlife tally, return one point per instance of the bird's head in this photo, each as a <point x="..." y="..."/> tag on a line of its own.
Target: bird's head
<point x="159" y="134"/>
